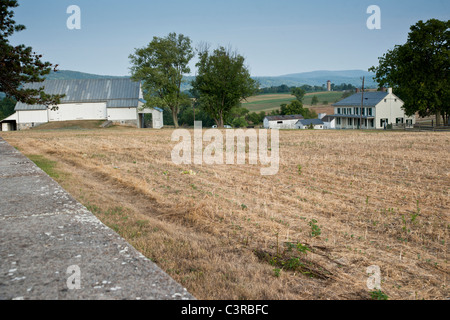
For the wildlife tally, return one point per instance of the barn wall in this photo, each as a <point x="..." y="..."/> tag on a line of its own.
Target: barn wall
<point x="78" y="111"/>
<point x="30" y="116"/>
<point x="115" y="114"/>
<point x="287" y="124"/>
<point x="157" y="119"/>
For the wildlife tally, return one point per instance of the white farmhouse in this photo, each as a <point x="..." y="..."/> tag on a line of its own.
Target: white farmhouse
<point x="379" y="109"/>
<point x="117" y="100"/>
<point x="282" y="122"/>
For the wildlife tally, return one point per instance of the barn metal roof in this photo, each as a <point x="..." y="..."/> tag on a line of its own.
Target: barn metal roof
<point x="288" y="117"/>
<point x="117" y="93"/>
<point x="371" y="99"/>
<point x="307" y="122"/>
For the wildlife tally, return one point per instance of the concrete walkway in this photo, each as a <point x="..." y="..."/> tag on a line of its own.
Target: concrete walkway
<point x="52" y="247"/>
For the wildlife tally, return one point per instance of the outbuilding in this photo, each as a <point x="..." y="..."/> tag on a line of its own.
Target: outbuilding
<point x="282" y="122"/>
<point x="310" y="124"/>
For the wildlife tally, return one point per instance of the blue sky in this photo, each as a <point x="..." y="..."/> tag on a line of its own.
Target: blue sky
<point x="276" y="37"/>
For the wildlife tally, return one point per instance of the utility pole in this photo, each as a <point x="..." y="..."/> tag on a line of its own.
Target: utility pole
<point x="362" y="104"/>
<point x="193" y="106"/>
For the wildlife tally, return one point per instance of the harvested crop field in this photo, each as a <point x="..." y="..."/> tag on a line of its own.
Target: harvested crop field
<point x="342" y="201"/>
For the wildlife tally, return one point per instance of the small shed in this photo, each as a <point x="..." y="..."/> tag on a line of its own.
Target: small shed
<point x="9" y="123"/>
<point x="310" y="124"/>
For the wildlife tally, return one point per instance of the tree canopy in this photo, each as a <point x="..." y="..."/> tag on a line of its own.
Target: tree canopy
<point x="20" y="64"/>
<point x="161" y="66"/>
<point x="222" y="82"/>
<point x="419" y="70"/>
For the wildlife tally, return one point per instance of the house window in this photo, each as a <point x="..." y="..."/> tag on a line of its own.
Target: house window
<point x="369" y="111"/>
<point x="349" y="110"/>
<point x="338" y="110"/>
<point x="350" y="122"/>
<point x="385" y="100"/>
<point x="338" y="121"/>
<point x="280" y="122"/>
<point x="363" y="111"/>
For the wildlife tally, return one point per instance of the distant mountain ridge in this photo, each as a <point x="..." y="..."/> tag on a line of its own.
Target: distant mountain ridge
<point x="319" y="78"/>
<point x="313" y="78"/>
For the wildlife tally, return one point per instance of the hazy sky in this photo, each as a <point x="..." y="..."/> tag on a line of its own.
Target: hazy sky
<point x="276" y="37"/>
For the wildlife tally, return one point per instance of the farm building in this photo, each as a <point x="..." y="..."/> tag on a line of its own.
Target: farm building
<point x="329" y="122"/>
<point x="282" y="122"/>
<point x="310" y="124"/>
<point x="379" y="109"/>
<point x="117" y="100"/>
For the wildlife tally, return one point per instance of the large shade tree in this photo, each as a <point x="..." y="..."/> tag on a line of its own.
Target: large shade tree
<point x="20" y="64"/>
<point x="419" y="70"/>
<point x="222" y="82"/>
<point x="161" y="66"/>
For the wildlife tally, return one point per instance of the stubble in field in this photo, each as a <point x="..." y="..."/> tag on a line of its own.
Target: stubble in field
<point x="342" y="201"/>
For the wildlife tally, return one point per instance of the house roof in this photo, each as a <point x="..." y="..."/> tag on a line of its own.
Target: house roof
<point x="288" y="117"/>
<point x="117" y="93"/>
<point x="307" y="122"/>
<point x="328" y="118"/>
<point x="353" y="116"/>
<point x="371" y="99"/>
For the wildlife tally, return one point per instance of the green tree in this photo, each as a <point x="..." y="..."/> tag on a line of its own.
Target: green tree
<point x="7" y="107"/>
<point x="296" y="107"/>
<point x="239" y="122"/>
<point x="19" y="64"/>
<point x="314" y="100"/>
<point x="222" y="82"/>
<point x="254" y="117"/>
<point x="299" y="93"/>
<point x="262" y="115"/>
<point x="419" y="70"/>
<point x="161" y="66"/>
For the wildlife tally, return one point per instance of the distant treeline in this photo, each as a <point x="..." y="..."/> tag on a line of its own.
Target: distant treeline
<point x="286" y="89"/>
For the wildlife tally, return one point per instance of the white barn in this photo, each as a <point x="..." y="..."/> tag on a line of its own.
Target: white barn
<point x="117" y="100"/>
<point x="379" y="109"/>
<point x="282" y="122"/>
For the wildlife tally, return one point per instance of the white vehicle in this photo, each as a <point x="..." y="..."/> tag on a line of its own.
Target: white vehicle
<point x="225" y="126"/>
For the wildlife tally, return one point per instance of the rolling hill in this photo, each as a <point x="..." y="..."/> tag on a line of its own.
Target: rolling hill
<point x="319" y="78"/>
<point x="315" y="78"/>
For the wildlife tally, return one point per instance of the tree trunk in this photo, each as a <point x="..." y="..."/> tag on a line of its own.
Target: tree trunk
<point x="220" y="120"/>
<point x="175" y="117"/>
<point x="438" y="119"/>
